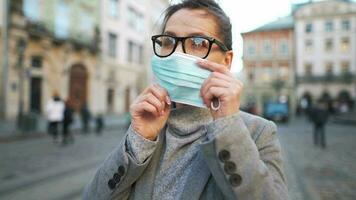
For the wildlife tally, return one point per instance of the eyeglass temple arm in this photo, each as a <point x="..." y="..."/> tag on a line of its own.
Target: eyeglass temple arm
<point x="221" y="45"/>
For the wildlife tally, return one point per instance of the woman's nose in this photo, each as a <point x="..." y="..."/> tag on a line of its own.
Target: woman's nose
<point x="179" y="48"/>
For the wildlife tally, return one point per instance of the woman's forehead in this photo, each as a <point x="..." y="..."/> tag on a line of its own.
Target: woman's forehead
<point x="187" y="22"/>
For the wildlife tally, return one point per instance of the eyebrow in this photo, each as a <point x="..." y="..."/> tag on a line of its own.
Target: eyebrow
<point x="191" y="34"/>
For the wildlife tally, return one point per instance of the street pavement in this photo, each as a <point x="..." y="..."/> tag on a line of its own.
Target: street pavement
<point x="315" y="173"/>
<point x="36" y="168"/>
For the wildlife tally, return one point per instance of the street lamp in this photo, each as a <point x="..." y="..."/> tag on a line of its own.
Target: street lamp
<point x="20" y="47"/>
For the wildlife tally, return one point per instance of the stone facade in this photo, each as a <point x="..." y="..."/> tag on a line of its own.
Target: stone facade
<point x="91" y="52"/>
<point x="126" y="27"/>
<point x="268" y="64"/>
<point x="50" y="62"/>
<point x="325" y="35"/>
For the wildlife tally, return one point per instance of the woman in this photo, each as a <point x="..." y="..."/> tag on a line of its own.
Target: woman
<point x="178" y="151"/>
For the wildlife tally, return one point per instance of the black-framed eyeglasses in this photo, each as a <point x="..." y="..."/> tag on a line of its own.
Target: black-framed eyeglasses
<point x="200" y="46"/>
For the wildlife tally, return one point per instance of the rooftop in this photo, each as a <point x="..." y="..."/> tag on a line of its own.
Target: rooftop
<point x="279" y="24"/>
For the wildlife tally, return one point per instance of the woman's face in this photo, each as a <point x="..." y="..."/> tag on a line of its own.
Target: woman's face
<point x="198" y="22"/>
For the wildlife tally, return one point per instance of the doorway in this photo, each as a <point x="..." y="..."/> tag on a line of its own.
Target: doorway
<point x="127" y="99"/>
<point x="78" y="86"/>
<point x="110" y="100"/>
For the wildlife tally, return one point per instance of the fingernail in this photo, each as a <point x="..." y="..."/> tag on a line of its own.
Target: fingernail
<point x="162" y="113"/>
<point x="168" y="100"/>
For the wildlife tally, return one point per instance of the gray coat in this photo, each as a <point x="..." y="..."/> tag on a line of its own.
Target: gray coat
<point x="240" y="159"/>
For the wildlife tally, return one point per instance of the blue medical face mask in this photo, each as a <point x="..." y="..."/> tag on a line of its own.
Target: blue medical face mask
<point x="181" y="77"/>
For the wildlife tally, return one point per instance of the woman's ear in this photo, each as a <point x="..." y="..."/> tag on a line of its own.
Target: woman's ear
<point x="228" y="59"/>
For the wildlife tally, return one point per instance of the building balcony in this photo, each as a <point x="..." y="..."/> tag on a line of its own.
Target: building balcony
<point x="38" y="31"/>
<point x="345" y="78"/>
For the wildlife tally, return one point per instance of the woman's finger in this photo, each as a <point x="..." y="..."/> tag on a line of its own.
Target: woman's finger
<point x="213" y="92"/>
<point x="153" y="100"/>
<point x="214" y="82"/>
<point x="214" y="67"/>
<point x="147" y="107"/>
<point x="160" y="93"/>
<point x="227" y="77"/>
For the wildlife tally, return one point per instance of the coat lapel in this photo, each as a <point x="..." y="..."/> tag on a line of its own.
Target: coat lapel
<point x="145" y="185"/>
<point x="198" y="179"/>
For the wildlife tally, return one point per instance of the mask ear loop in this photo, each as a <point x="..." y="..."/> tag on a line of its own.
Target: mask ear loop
<point x="212" y="104"/>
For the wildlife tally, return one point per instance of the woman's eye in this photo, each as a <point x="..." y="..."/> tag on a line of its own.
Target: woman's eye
<point x="167" y="42"/>
<point x="200" y="43"/>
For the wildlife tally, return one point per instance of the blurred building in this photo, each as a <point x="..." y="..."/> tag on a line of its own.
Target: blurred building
<point x="268" y="60"/>
<point x="52" y="46"/>
<point x="126" y="27"/>
<point x="325" y="34"/>
<point x="93" y="52"/>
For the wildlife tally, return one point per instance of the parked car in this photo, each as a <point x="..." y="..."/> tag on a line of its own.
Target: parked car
<point x="276" y="111"/>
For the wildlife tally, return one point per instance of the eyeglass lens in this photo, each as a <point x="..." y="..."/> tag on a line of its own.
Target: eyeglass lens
<point x="196" y="46"/>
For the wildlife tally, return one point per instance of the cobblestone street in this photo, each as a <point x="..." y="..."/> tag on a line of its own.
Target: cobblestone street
<point x="37" y="169"/>
<point x="314" y="173"/>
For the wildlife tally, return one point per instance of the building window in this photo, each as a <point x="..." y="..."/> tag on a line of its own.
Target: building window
<point x="328" y="44"/>
<point x="135" y="20"/>
<point x="30" y="9"/>
<point x="135" y="53"/>
<point x="114" y="8"/>
<point x="309" y="28"/>
<point x="267" y="74"/>
<point x="130" y="51"/>
<point x="345" y="25"/>
<point x="328" y="69"/>
<point x="140" y="54"/>
<point x="309" y="46"/>
<point x="112" y="45"/>
<point x="267" y="47"/>
<point x="345" y="45"/>
<point x="251" y="76"/>
<point x="36" y="61"/>
<point x="62" y="20"/>
<point x="308" y="69"/>
<point x="251" y="50"/>
<point x="284" y="73"/>
<point x="86" y="25"/>
<point x="328" y="26"/>
<point x="345" y="67"/>
<point x="283" y="47"/>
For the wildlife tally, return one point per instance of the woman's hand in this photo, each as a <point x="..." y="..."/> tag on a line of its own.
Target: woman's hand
<point x="222" y="86"/>
<point x="150" y="111"/>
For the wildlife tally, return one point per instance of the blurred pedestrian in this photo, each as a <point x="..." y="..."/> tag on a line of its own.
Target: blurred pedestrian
<point x="99" y="121"/>
<point x="85" y="117"/>
<point x="54" y="112"/>
<point x="67" y="121"/>
<point x="319" y="116"/>
<point x="251" y="108"/>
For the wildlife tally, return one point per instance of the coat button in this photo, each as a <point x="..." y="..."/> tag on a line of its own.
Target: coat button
<point x="121" y="170"/>
<point x="116" y="177"/>
<point x="229" y="167"/>
<point x="224" y="155"/>
<point x="111" y="184"/>
<point x="235" y="180"/>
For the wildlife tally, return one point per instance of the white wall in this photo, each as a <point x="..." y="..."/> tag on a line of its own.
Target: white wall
<point x="319" y="57"/>
<point x="2" y="11"/>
